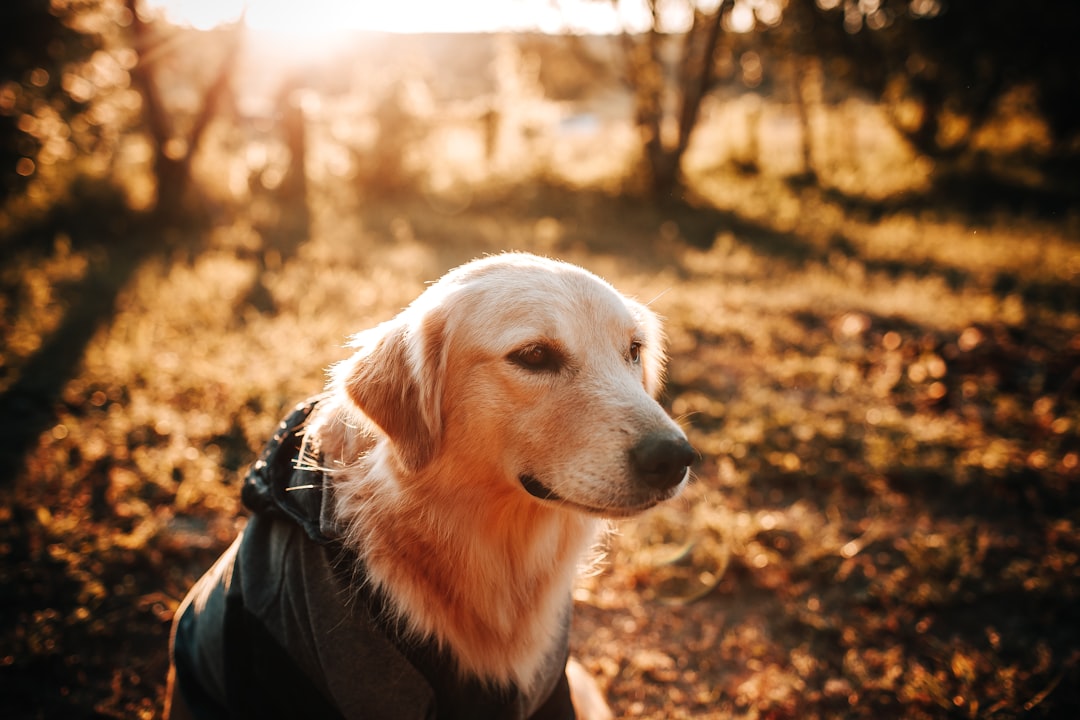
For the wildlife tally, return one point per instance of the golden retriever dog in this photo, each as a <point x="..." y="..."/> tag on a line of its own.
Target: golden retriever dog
<point x="417" y="529"/>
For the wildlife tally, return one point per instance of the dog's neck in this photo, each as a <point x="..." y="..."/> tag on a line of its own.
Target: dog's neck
<point x="469" y="560"/>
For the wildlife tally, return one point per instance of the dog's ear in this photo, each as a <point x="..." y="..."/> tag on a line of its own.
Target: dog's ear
<point x="395" y="379"/>
<point x="654" y="359"/>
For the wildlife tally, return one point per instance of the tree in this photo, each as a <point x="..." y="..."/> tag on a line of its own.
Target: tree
<point x="174" y="144"/>
<point x="667" y="102"/>
<point x="955" y="60"/>
<point x="940" y="68"/>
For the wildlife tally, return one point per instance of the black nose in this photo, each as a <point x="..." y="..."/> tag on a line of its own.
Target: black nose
<point x="660" y="459"/>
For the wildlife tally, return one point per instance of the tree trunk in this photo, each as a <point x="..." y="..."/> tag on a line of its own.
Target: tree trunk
<point x="799" y="91"/>
<point x="662" y="157"/>
<point x="173" y="154"/>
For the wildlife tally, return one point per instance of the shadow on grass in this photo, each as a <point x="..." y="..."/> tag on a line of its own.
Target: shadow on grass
<point x="587" y="219"/>
<point x="588" y="216"/>
<point x="969" y="193"/>
<point x="118" y="242"/>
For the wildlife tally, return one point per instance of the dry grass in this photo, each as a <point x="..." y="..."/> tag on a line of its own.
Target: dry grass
<point x="884" y="523"/>
<point x="884" y="518"/>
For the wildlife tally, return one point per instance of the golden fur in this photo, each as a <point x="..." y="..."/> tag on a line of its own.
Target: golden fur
<point x="508" y="368"/>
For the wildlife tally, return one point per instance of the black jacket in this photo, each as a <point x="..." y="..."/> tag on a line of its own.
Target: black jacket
<point x="283" y="626"/>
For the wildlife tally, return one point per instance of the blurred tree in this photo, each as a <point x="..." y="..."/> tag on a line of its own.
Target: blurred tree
<point x="37" y="44"/>
<point x="667" y="100"/>
<point x="941" y="69"/>
<point x="69" y="71"/>
<point x="176" y="136"/>
<point x="390" y="166"/>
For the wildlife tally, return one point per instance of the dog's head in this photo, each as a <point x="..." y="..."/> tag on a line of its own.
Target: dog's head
<point x="530" y="373"/>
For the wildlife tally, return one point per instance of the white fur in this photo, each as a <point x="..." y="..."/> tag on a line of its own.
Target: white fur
<point x="433" y="423"/>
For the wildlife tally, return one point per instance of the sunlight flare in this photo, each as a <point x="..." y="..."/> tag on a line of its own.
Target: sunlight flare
<point x="320" y="18"/>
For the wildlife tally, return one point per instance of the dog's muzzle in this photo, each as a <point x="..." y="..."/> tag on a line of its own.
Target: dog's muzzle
<point x="658" y="462"/>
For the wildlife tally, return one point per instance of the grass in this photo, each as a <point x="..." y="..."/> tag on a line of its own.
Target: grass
<point x="883" y="521"/>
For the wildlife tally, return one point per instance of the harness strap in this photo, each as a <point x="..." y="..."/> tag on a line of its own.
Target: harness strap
<point x="278" y="486"/>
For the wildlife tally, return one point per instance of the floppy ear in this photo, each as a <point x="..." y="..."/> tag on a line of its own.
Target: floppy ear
<point x="654" y="359"/>
<point x="395" y="379"/>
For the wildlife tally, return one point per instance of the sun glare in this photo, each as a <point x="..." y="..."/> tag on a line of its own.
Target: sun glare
<point x="416" y="16"/>
<point x="314" y="18"/>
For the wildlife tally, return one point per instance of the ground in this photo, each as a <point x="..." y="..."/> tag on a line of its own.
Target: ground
<point x="883" y="522"/>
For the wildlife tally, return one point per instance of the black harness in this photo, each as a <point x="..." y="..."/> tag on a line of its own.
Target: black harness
<point x="262" y="678"/>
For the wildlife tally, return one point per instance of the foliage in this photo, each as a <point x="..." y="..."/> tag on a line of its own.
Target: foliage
<point x="937" y="66"/>
<point x="38" y="95"/>
<point x="941" y="67"/>
<point x="77" y="74"/>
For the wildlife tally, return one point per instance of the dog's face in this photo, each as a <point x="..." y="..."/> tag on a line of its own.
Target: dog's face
<point x="529" y="373"/>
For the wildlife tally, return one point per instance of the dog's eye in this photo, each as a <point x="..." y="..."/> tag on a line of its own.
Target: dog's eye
<point x="635" y="352"/>
<point x="538" y="358"/>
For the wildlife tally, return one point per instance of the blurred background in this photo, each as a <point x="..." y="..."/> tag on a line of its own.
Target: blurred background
<point x="860" y="218"/>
